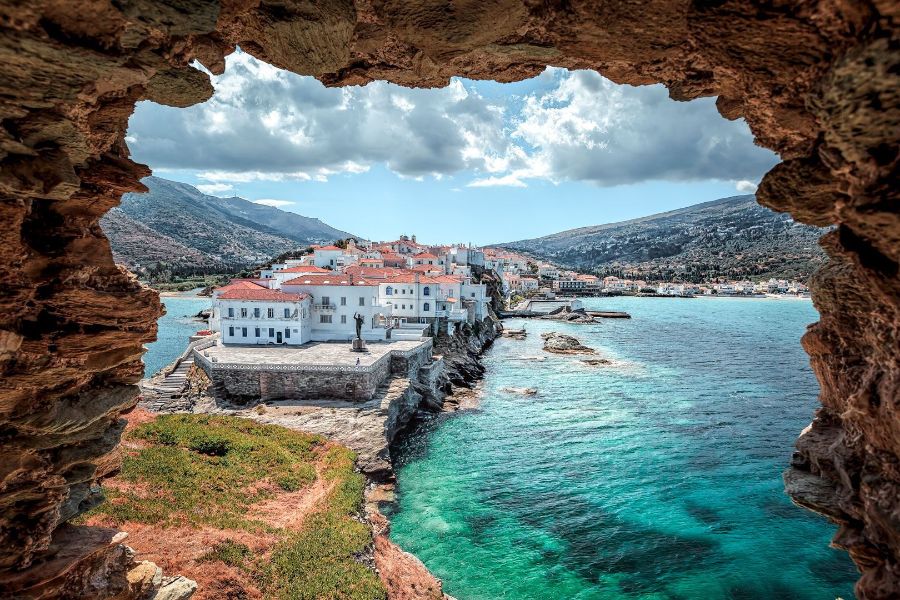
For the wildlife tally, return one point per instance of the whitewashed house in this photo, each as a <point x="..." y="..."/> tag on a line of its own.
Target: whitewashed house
<point x="247" y="313"/>
<point x="327" y="257"/>
<point x="336" y="299"/>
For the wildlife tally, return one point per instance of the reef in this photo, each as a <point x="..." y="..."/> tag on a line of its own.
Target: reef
<point x="817" y="81"/>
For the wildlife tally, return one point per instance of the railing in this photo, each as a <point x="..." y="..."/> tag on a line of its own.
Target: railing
<point x="452" y="315"/>
<point x="324" y="307"/>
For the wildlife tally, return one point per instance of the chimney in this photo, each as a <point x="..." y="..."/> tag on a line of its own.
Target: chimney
<point x="414" y="238"/>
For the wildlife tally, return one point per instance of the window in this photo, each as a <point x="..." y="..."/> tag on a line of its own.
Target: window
<point x="257" y="332"/>
<point x="427" y="307"/>
<point x="287" y="332"/>
<point x="271" y="332"/>
<point x="270" y="313"/>
<point x="231" y="312"/>
<point x="426" y="291"/>
<point x="343" y="300"/>
<point x="287" y="313"/>
<point x="343" y="318"/>
<point x="244" y="312"/>
<point x="362" y="301"/>
<point x="389" y="291"/>
<point x="473" y="294"/>
<point x="231" y="331"/>
<point x="326" y="300"/>
<point x="324" y="318"/>
<point x="243" y="331"/>
<point x="256" y="313"/>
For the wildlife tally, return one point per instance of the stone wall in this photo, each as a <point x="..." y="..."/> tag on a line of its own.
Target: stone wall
<point x="243" y="383"/>
<point x="817" y="81"/>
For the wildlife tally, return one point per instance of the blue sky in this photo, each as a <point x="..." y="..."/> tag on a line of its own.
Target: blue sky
<point x="477" y="162"/>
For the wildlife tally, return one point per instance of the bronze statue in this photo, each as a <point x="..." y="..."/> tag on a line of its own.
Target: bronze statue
<point x="359" y="323"/>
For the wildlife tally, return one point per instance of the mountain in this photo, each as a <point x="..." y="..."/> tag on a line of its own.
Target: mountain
<point x="176" y="224"/>
<point x="732" y="237"/>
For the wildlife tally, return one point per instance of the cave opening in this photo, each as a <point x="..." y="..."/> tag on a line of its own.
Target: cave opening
<point x="817" y="84"/>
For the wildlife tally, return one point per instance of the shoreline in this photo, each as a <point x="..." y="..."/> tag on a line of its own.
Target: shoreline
<point x="366" y="429"/>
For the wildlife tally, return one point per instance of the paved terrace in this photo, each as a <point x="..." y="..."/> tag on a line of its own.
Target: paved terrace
<point x="310" y="354"/>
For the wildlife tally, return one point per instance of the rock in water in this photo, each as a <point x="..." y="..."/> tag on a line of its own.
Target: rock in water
<point x="559" y="343"/>
<point x="521" y="391"/>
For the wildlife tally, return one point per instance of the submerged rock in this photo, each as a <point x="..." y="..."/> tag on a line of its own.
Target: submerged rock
<point x="559" y="343"/>
<point x="520" y="391"/>
<point x="516" y="334"/>
<point x="594" y="362"/>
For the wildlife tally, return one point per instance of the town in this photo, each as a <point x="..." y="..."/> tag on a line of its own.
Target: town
<point x="403" y="289"/>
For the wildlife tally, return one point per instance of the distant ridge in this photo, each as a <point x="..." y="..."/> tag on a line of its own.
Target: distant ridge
<point x="731" y="237"/>
<point x="178" y="225"/>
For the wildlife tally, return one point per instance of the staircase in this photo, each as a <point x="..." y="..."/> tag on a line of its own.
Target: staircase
<point x="165" y="396"/>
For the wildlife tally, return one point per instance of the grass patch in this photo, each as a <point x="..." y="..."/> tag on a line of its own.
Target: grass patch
<point x="205" y="470"/>
<point x="229" y="552"/>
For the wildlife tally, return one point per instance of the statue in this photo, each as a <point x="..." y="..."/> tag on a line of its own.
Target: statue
<point x="359" y="323"/>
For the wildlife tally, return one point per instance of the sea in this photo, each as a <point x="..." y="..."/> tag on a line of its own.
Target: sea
<point x="656" y="476"/>
<point x="174" y="329"/>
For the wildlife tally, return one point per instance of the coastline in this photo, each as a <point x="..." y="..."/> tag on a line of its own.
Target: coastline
<point x="371" y="429"/>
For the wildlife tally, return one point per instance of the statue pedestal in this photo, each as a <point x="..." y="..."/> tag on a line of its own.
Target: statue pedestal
<point x="359" y="346"/>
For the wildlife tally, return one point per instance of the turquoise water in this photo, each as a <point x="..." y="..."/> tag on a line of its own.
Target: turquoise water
<point x="656" y="477"/>
<point x="175" y="327"/>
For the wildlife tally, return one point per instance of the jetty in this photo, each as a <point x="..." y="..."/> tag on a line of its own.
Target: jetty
<point x="527" y="314"/>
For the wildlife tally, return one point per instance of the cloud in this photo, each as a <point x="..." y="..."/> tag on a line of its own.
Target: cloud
<point x="264" y="124"/>
<point x="273" y="202"/>
<point x="214" y="188"/>
<point x="748" y="187"/>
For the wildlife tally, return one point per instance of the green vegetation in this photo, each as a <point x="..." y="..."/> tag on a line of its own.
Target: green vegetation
<point x="731" y="238"/>
<point x="199" y="470"/>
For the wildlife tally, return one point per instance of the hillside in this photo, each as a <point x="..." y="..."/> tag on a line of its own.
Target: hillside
<point x="732" y="237"/>
<point x="176" y="224"/>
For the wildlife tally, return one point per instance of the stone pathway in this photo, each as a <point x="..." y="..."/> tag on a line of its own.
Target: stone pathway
<point x="165" y="395"/>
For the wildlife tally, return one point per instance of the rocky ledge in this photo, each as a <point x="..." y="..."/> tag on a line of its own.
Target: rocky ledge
<point x="559" y="343"/>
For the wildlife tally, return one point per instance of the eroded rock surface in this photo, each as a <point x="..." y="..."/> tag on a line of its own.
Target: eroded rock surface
<point x="559" y="343"/>
<point x="818" y="82"/>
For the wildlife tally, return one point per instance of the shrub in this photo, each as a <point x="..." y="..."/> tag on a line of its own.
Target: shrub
<point x="210" y="445"/>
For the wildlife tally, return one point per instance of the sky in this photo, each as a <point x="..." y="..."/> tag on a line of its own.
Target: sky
<point x="476" y="161"/>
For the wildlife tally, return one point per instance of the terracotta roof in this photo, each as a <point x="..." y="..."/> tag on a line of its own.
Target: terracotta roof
<point x="260" y="294"/>
<point x="328" y="248"/>
<point x="334" y="279"/>
<point x="425" y="255"/>
<point x="410" y="277"/>
<point x="240" y="284"/>
<point x="304" y="269"/>
<point x="372" y="272"/>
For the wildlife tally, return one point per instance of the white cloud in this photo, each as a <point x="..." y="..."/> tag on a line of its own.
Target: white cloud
<point x="214" y="188"/>
<point x="264" y="124"/>
<point x="273" y="202"/>
<point x="747" y="187"/>
<point x="511" y="180"/>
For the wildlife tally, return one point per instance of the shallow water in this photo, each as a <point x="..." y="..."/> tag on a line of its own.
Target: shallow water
<point x="175" y="327"/>
<point x="658" y="476"/>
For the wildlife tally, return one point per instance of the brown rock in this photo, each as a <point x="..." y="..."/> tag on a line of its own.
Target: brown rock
<point x="817" y="81"/>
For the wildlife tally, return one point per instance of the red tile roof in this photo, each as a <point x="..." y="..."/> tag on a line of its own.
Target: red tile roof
<point x="304" y="269"/>
<point x="334" y="279"/>
<point x="425" y="255"/>
<point x="328" y="248"/>
<point x="261" y="293"/>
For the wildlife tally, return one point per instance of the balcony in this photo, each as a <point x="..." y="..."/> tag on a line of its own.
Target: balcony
<point x="324" y="307"/>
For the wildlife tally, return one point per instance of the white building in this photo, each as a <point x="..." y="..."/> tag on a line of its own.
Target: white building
<point x="336" y="299"/>
<point x="327" y="256"/>
<point x="548" y="270"/>
<point x="247" y="313"/>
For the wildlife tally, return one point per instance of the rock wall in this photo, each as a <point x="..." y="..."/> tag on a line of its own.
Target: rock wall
<point x="818" y="82"/>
